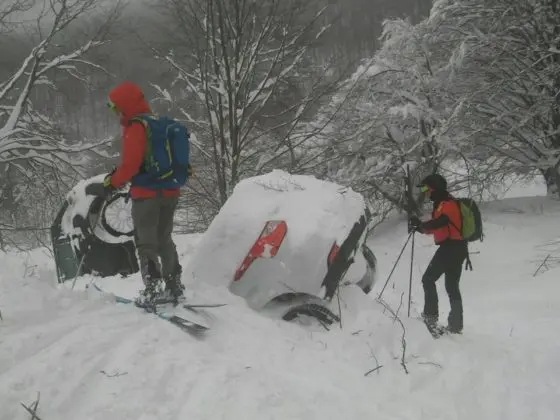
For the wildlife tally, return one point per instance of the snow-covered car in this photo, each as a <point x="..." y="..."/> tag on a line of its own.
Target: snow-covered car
<point x="93" y="235"/>
<point x="288" y="241"/>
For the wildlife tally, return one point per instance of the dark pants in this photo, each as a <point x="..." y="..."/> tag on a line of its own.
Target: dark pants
<point x="448" y="260"/>
<point x="153" y="224"/>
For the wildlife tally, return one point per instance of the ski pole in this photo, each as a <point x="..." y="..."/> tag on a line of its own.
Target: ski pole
<point x="396" y="263"/>
<point x="410" y="279"/>
<point x="79" y="269"/>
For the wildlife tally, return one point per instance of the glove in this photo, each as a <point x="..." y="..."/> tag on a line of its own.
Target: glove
<point x="107" y="181"/>
<point x="414" y="224"/>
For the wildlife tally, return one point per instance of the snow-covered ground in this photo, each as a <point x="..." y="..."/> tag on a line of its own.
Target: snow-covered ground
<point x="92" y="359"/>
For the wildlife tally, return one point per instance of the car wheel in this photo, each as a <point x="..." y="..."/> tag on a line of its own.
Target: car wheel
<point x="116" y="216"/>
<point x="324" y="315"/>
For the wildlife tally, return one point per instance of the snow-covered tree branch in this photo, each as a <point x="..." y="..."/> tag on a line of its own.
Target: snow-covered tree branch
<point x="237" y="64"/>
<point x="507" y="68"/>
<point x="32" y="145"/>
<point x="26" y="134"/>
<point x="397" y="118"/>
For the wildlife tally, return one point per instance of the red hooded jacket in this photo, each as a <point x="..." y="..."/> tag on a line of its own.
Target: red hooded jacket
<point x="129" y="100"/>
<point x="450" y="230"/>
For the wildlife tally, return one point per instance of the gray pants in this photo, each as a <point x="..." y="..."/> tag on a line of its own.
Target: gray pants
<point x="153" y="224"/>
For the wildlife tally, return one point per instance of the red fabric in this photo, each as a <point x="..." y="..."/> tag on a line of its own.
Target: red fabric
<point x="452" y="231"/>
<point x="129" y="101"/>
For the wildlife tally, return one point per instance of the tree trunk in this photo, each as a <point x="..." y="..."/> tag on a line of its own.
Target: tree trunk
<point x="552" y="179"/>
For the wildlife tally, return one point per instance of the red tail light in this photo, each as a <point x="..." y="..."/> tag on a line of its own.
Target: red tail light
<point x="266" y="246"/>
<point x="332" y="254"/>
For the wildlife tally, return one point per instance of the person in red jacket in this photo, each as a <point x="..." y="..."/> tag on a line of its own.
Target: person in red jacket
<point x="445" y="226"/>
<point x="153" y="208"/>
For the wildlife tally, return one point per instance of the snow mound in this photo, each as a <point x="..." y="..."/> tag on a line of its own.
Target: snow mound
<point x="94" y="360"/>
<point x="309" y="206"/>
<point x="79" y="204"/>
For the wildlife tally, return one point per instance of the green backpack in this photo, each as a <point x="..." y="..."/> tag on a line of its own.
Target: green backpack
<point x="471" y="220"/>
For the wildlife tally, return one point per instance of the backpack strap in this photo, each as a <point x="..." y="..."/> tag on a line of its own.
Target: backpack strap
<point x="139" y="119"/>
<point x="142" y="119"/>
<point x="468" y="263"/>
<point x="451" y="198"/>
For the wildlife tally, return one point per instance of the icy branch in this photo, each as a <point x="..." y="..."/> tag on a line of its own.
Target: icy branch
<point x="32" y="408"/>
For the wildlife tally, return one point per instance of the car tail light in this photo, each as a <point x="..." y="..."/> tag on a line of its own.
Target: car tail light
<point x="332" y="254"/>
<point x="266" y="246"/>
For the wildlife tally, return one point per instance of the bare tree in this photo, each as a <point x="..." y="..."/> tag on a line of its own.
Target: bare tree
<point x="396" y="120"/>
<point x="241" y="62"/>
<point x="507" y="61"/>
<point x="34" y="154"/>
<point x="11" y="8"/>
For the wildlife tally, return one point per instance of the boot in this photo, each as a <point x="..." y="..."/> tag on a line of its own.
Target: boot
<point x="173" y="286"/>
<point x="430" y="320"/>
<point x="152" y="279"/>
<point x="455" y="318"/>
<point x="148" y="297"/>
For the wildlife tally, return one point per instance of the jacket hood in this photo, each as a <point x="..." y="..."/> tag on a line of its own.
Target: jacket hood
<point x="438" y="196"/>
<point x="129" y="99"/>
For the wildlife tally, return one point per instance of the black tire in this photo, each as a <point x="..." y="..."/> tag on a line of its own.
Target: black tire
<point x="321" y="313"/>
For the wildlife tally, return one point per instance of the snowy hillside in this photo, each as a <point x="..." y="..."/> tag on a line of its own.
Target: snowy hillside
<point x="92" y="359"/>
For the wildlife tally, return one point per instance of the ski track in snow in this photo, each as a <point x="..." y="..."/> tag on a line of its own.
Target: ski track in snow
<point x="96" y="360"/>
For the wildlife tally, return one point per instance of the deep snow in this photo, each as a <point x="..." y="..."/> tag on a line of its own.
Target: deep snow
<point x="92" y="359"/>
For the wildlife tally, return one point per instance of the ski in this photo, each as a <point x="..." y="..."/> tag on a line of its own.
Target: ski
<point x="163" y="301"/>
<point x="190" y="306"/>
<point x="203" y="305"/>
<point x="187" y="325"/>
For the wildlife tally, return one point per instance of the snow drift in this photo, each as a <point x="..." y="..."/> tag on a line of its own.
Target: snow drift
<point x="318" y="216"/>
<point x="93" y="360"/>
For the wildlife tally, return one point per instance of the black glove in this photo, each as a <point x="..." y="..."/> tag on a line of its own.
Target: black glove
<point x="414" y="224"/>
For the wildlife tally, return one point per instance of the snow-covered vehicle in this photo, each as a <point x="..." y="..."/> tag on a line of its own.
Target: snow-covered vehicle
<point x="287" y="243"/>
<point x="93" y="235"/>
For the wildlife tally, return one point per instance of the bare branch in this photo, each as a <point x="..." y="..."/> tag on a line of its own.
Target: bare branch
<point x="403" y="337"/>
<point x="375" y="369"/>
<point x="33" y="408"/>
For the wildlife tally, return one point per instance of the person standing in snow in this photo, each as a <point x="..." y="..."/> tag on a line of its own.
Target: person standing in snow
<point x="153" y="208"/>
<point x="452" y="251"/>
